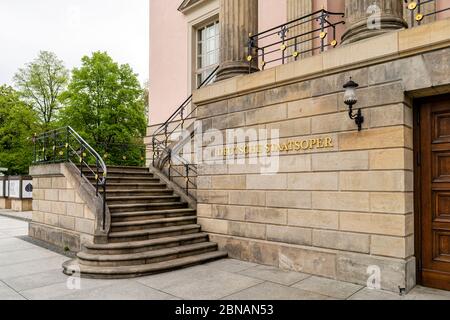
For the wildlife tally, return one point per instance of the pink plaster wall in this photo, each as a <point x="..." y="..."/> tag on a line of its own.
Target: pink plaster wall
<point x="443" y="4"/>
<point x="169" y="55"/>
<point x="169" y="48"/>
<point x="168" y="59"/>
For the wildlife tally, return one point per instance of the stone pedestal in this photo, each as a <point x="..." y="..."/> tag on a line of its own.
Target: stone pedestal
<point x="238" y="18"/>
<point x="369" y="18"/>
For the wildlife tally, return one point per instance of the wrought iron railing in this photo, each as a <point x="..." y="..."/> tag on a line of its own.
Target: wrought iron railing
<point x="166" y="152"/>
<point x="123" y="154"/>
<point x="66" y="145"/>
<point x="284" y="43"/>
<point x="418" y="12"/>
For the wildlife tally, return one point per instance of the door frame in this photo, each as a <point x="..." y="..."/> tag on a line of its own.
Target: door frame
<point x="417" y="151"/>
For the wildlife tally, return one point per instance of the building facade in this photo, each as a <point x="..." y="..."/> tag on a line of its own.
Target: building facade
<point x="324" y="196"/>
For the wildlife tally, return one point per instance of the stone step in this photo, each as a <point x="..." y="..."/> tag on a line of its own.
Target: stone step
<point x="152" y="223"/>
<point x="116" y="208"/>
<point x="149" y="257"/>
<point x="126" y="179"/>
<point x="72" y="267"/>
<point x="147" y="234"/>
<point x="155" y="214"/>
<point x="112" y="169"/>
<point x="147" y="245"/>
<point x="89" y="173"/>
<point x="134" y="186"/>
<point x="137" y="192"/>
<point x="142" y="199"/>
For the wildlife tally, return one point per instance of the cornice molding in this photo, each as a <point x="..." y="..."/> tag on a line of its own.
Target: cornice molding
<point x="187" y="5"/>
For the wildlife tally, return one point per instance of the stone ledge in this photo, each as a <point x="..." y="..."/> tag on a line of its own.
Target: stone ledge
<point x="375" y="50"/>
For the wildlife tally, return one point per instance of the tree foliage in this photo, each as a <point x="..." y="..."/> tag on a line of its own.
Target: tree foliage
<point x="18" y="123"/>
<point x="40" y="84"/>
<point x="105" y="105"/>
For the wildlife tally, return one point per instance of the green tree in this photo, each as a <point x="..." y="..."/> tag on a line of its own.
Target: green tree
<point x="40" y="84"/>
<point x="18" y="123"/>
<point x="104" y="104"/>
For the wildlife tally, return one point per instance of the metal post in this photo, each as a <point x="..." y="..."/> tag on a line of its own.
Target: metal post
<point x="295" y="48"/>
<point x="419" y="10"/>
<point x="67" y="144"/>
<point x="81" y="161"/>
<point x="54" y="146"/>
<point x="187" y="178"/>
<point x="43" y="148"/>
<point x="182" y="117"/>
<point x="263" y="57"/>
<point x="250" y="53"/>
<point x="170" y="164"/>
<point x="153" y="150"/>
<point x="97" y="177"/>
<point x="322" y="29"/>
<point x="34" y="152"/>
<point x="104" y="202"/>
<point x="166" y="136"/>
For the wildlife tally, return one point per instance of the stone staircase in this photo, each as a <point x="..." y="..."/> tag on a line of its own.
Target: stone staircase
<point x="152" y="230"/>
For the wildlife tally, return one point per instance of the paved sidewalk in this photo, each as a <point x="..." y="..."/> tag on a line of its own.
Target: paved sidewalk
<point x="31" y="272"/>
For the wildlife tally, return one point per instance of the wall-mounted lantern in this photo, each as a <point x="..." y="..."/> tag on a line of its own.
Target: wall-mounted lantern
<point x="351" y="99"/>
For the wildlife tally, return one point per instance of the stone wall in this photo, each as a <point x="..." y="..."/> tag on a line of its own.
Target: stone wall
<point x="66" y="211"/>
<point x="330" y="211"/>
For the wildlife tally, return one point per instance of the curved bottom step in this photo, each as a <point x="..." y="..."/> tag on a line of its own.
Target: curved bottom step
<point x="72" y="267"/>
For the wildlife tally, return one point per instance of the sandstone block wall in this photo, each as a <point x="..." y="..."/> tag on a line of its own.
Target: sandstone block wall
<point x="64" y="213"/>
<point x="331" y="211"/>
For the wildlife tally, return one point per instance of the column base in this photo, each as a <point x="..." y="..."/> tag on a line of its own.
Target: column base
<point x="233" y="69"/>
<point x="360" y="31"/>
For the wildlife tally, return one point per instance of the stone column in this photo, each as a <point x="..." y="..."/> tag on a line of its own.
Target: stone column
<point x="362" y="17"/>
<point x="237" y="18"/>
<point x="295" y="10"/>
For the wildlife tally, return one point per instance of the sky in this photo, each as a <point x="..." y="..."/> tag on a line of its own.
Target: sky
<point x="72" y="29"/>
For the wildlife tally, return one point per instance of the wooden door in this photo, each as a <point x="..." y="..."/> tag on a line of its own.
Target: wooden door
<point x="433" y="178"/>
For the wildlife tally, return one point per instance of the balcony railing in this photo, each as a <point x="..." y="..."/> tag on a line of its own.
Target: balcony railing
<point x="418" y="12"/>
<point x="288" y="42"/>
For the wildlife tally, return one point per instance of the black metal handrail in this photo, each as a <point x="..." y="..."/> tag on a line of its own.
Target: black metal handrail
<point x="286" y="39"/>
<point x="66" y="145"/>
<point x="164" y="154"/>
<point x="417" y="12"/>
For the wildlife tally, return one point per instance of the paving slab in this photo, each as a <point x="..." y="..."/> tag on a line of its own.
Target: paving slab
<point x="4" y="236"/>
<point x="13" y="244"/>
<point x="371" y="294"/>
<point x="422" y="293"/>
<point x="274" y="291"/>
<point x="36" y="280"/>
<point x="62" y="289"/>
<point x="201" y="283"/>
<point x="6" y="293"/>
<point x="231" y="265"/>
<point x="23" y="255"/>
<point x="15" y="232"/>
<point x="128" y="290"/>
<point x="164" y="280"/>
<point x="328" y="287"/>
<point x="24" y="215"/>
<point x="274" y="275"/>
<point x="31" y="267"/>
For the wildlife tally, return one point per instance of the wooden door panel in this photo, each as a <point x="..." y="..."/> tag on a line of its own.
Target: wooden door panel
<point x="441" y="166"/>
<point x="441" y="126"/>
<point x="441" y="247"/>
<point x="441" y="212"/>
<point x="434" y="181"/>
